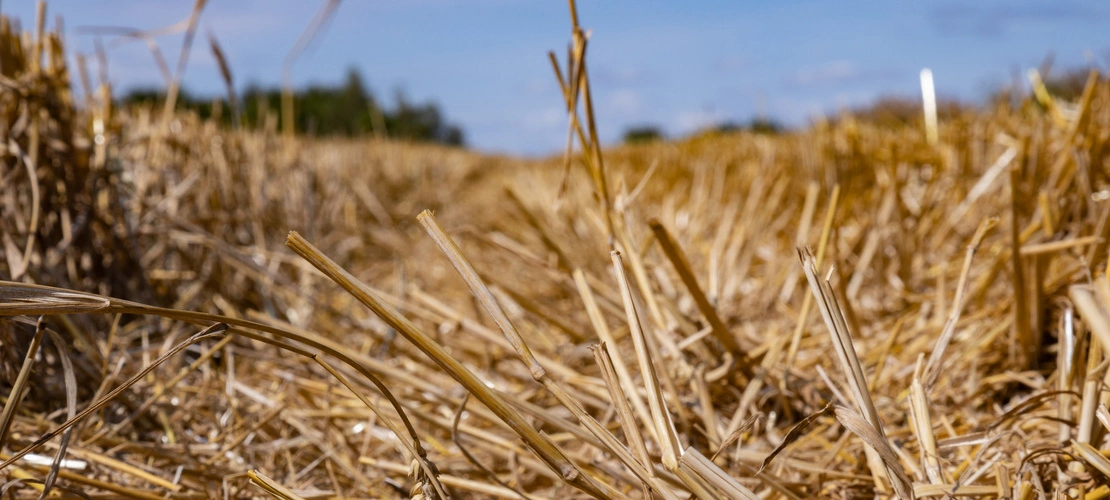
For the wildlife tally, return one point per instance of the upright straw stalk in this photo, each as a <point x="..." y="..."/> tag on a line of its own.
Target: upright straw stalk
<point x="853" y="371"/>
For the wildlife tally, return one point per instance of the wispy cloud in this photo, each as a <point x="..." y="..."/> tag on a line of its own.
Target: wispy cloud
<point x="731" y="63"/>
<point x="543" y="119"/>
<point x="624" y="75"/>
<point x="545" y="86"/>
<point x="843" y="75"/>
<point x="826" y="73"/>
<point x="625" y="103"/>
<point x="970" y="19"/>
<point x="690" y="121"/>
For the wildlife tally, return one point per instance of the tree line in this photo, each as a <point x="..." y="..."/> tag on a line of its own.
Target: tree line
<point x="893" y="110"/>
<point x="347" y="109"/>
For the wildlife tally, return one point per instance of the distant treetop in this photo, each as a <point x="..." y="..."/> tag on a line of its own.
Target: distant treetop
<point x="347" y="109"/>
<point x="643" y="133"/>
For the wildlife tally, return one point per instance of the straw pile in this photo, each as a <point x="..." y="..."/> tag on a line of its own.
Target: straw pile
<point x="664" y="324"/>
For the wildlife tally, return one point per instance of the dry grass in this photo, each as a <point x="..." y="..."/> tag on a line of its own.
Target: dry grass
<point x="645" y="329"/>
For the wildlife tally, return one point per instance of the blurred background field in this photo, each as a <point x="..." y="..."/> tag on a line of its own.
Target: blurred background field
<point x="656" y="63"/>
<point x="968" y="265"/>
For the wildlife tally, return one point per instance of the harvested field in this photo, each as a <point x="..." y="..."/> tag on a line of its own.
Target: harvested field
<point x="852" y="310"/>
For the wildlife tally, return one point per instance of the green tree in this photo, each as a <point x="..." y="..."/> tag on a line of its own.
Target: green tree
<point x="348" y="109"/>
<point x="420" y="122"/>
<point x="643" y="133"/>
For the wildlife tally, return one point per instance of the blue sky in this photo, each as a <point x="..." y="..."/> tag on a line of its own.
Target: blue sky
<point x="677" y="65"/>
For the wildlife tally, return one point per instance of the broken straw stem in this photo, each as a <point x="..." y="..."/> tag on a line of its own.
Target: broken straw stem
<point x="929" y="101"/>
<point x="682" y="267"/>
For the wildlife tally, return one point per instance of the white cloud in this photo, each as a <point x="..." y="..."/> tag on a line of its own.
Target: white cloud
<point x="832" y="71"/>
<point x="625" y="103"/>
<point x="689" y="121"/>
<point x="623" y="75"/>
<point x="544" y="119"/>
<point x="545" y="86"/>
<point x="732" y="62"/>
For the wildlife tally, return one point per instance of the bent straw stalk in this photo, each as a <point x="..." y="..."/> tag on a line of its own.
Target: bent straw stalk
<point x="682" y="266"/>
<point x="543" y="446"/>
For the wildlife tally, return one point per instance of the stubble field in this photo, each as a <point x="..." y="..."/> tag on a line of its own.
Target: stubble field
<point x="850" y="310"/>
